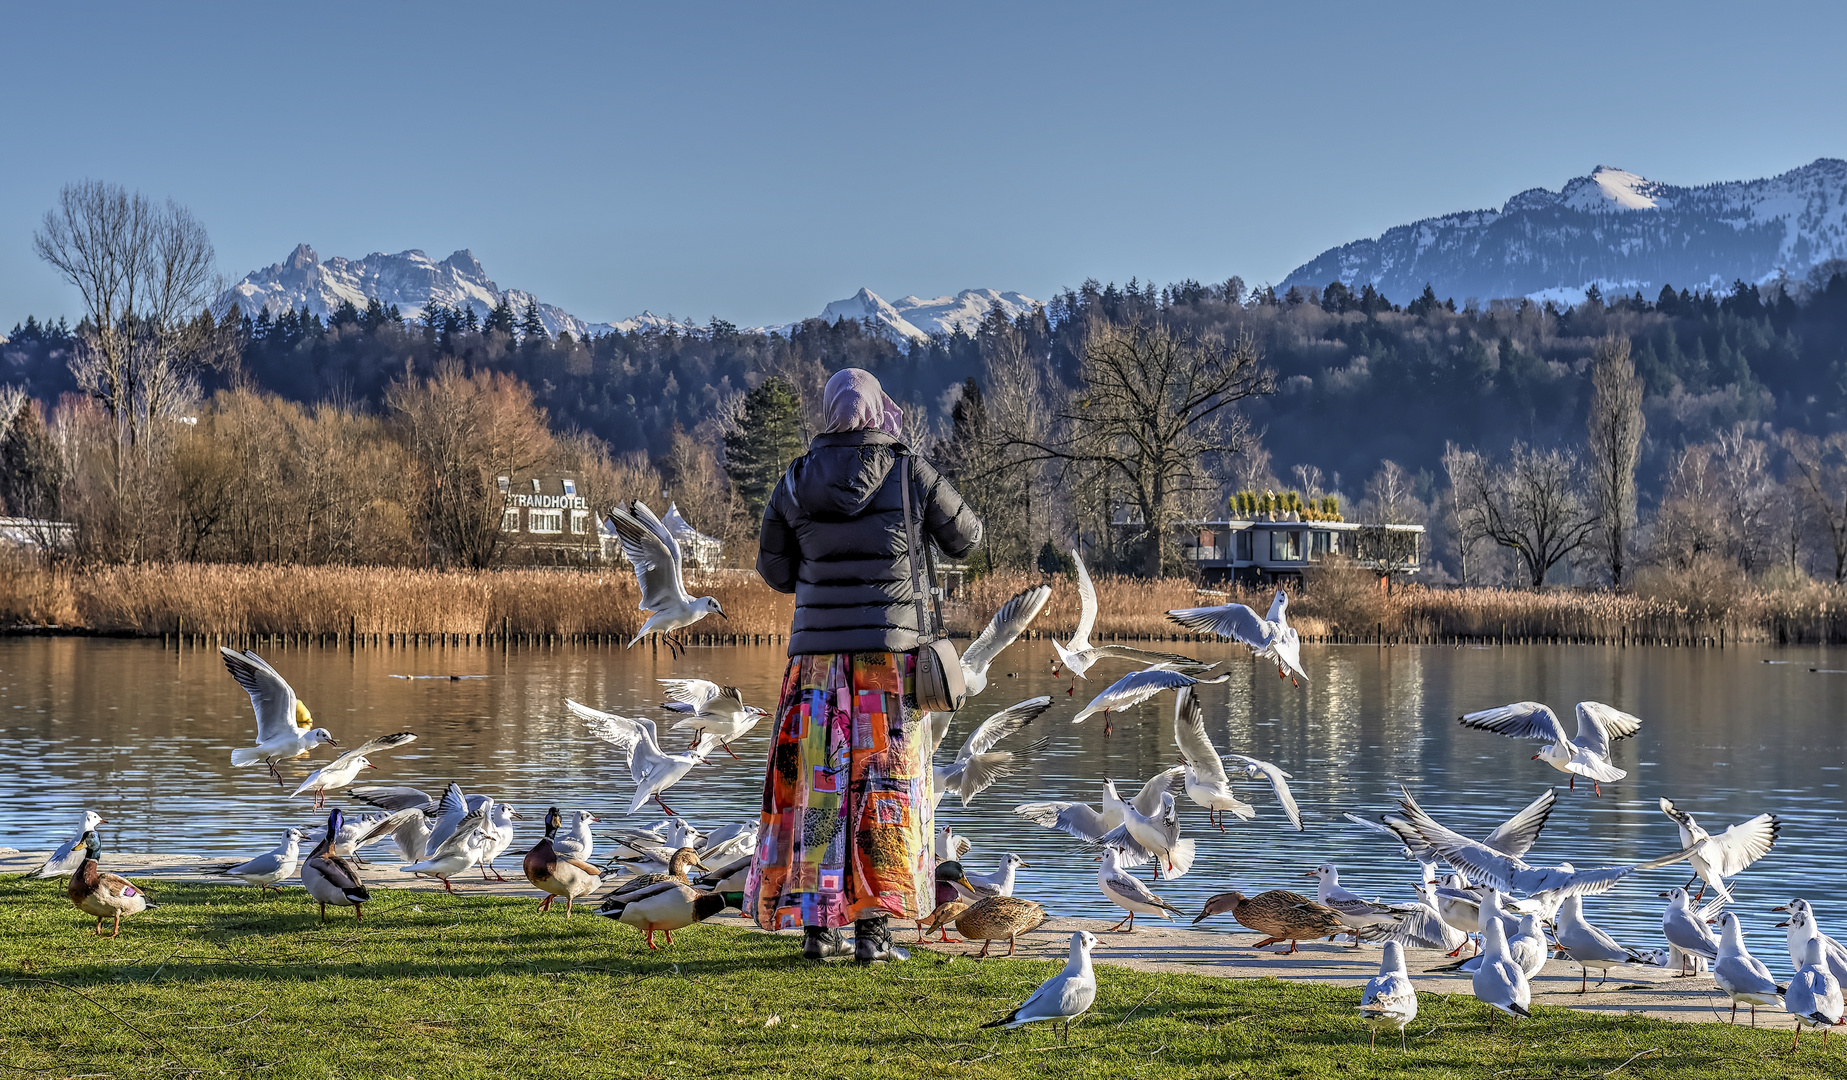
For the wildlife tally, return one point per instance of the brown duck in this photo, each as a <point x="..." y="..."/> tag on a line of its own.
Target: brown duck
<point x="103" y="895"/>
<point x="998" y="918"/>
<point x="556" y="874"/>
<point x="1279" y="913"/>
<point x="682" y="860"/>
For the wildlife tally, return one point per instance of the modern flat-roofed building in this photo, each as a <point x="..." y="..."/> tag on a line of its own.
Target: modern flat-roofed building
<point x="1261" y="551"/>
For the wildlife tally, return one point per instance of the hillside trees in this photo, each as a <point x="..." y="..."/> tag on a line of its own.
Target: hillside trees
<point x="1615" y="427"/>
<point x="1534" y="505"/>
<point x="764" y="436"/>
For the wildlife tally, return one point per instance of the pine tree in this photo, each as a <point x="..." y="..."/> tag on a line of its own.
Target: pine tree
<point x="531" y="327"/>
<point x="768" y="436"/>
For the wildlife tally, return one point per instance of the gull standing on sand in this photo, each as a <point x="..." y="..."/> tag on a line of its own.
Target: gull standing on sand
<point x="1499" y="981"/>
<point x="1270" y="635"/>
<point x="283" y="720"/>
<point x="1807" y="927"/>
<point x="1587" y="946"/>
<point x="271" y="867"/>
<point x="977" y="764"/>
<point x="1389" y="999"/>
<point x="342" y="770"/>
<point x="1206" y="782"/>
<point x="1136" y="687"/>
<point x="1686" y="930"/>
<point x="652" y="770"/>
<point x="1743" y="977"/>
<point x="575" y="840"/>
<point x="70" y="855"/>
<point x="1716" y="858"/>
<point x="717" y="710"/>
<point x="1355" y="911"/>
<point x="1002" y="630"/>
<point x="1587" y="755"/>
<point x="456" y="854"/>
<point x="1065" y="996"/>
<point x="1079" y="655"/>
<point x="1128" y="892"/>
<point x="655" y="555"/>
<point x="1813" y="997"/>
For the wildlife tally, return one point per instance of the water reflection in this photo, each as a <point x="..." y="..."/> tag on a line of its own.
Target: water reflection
<point x="144" y="736"/>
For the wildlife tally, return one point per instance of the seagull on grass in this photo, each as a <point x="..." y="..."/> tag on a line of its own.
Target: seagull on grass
<point x="1389" y="999"/>
<point x="655" y="555"/>
<point x="1065" y="996"/>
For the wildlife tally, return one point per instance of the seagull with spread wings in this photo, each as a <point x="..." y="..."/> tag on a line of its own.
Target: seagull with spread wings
<point x="1206" y="782"/>
<point x="1002" y="630"/>
<point x="344" y="769"/>
<point x="1279" y="783"/>
<point x="977" y="764"/>
<point x="1105" y="827"/>
<point x="284" y="730"/>
<point x="1078" y="655"/>
<point x="1271" y="635"/>
<point x="1136" y="687"/>
<point x="653" y="770"/>
<point x="1515" y="836"/>
<point x="714" y="709"/>
<point x="1716" y="858"/>
<point x="655" y="555"/>
<point x="1587" y="755"/>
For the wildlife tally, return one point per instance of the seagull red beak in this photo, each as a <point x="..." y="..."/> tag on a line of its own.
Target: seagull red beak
<point x="1535" y="757"/>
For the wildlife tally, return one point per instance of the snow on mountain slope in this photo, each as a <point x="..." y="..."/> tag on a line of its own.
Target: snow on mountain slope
<point x="1613" y="229"/>
<point x="917" y="318"/>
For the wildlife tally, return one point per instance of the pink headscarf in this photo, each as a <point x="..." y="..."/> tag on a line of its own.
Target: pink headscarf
<point x="854" y="401"/>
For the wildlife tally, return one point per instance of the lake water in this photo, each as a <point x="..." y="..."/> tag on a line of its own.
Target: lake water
<point x="144" y="734"/>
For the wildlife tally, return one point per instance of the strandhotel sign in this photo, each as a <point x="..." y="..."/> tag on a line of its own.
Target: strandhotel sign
<point x="548" y="502"/>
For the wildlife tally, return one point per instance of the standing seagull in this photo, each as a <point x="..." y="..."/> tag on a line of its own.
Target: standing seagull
<point x="1271" y="635"/>
<point x="1743" y="977"/>
<point x="977" y="764"/>
<point x="1807" y="927"/>
<point x="271" y="867"/>
<point x="1587" y="755"/>
<point x="719" y="710"/>
<point x="1079" y="654"/>
<point x="342" y="770"/>
<point x="1128" y="892"/>
<point x="1206" y="782"/>
<point x="1002" y="630"/>
<point x="1065" y="996"/>
<point x="69" y="856"/>
<point x="1499" y="981"/>
<point x="1716" y="858"/>
<point x="1389" y="999"/>
<point x="1686" y="930"/>
<point x="655" y="555"/>
<point x="283" y="731"/>
<point x="1814" y="994"/>
<point x="653" y="770"/>
<point x="1136" y="687"/>
<point x="1587" y="946"/>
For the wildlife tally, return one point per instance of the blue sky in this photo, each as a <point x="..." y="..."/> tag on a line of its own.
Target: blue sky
<point x="755" y="161"/>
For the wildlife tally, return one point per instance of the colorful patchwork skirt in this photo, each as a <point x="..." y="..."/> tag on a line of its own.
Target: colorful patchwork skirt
<point x="847" y="818"/>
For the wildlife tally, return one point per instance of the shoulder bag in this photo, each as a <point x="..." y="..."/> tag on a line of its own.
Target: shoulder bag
<point x="938" y="674"/>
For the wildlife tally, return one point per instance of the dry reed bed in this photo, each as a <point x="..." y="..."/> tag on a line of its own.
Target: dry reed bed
<point x="154" y="599"/>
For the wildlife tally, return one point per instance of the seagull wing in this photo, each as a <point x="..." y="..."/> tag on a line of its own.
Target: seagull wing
<point x="1278" y="781"/>
<point x="635" y="737"/>
<point x="1191" y="737"/>
<point x="1136" y="889"/>
<point x="1000" y="725"/>
<point x="1147" y="801"/>
<point x="383" y="742"/>
<point x="1087" y="606"/>
<point x="1005" y="627"/>
<point x="1599" y="725"/>
<point x="393" y="798"/>
<point x="1234" y="621"/>
<point x="1136" y="687"/>
<point x="1416" y="924"/>
<point x="1471" y="857"/>
<point x="656" y="567"/>
<point x="1150" y="658"/>
<point x="1521" y="720"/>
<point x="698" y="693"/>
<point x="387" y="825"/>
<point x="1517" y="834"/>
<point x="270" y="694"/>
<point x="1744" y="843"/>
<point x="940" y="723"/>
<point x="1077" y="819"/>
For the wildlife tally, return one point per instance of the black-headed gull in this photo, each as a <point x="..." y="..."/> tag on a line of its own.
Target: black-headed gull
<point x="1128" y="892"/>
<point x="973" y="885"/>
<point x="284" y="726"/>
<point x="271" y="867"/>
<point x="69" y="855"/>
<point x="1258" y="769"/>
<point x="653" y="770"/>
<point x="1206" y="782"/>
<point x="1716" y="858"/>
<point x="344" y="769"/>
<point x="1078" y="655"/>
<point x="1587" y="755"/>
<point x="1065" y="996"/>
<point x="1686" y="929"/>
<point x="1587" y="946"/>
<point x="1136" y="687"/>
<point x="1806" y="927"/>
<point x="1002" y="630"/>
<point x="1270" y="635"/>
<point x="1813" y="997"/>
<point x="1355" y="911"/>
<point x="1106" y="825"/>
<point x="714" y="709"/>
<point x="1743" y="977"/>
<point x="455" y="855"/>
<point x="655" y="555"/>
<point x="1389" y="999"/>
<point x="1499" y="981"/>
<point x="977" y="764"/>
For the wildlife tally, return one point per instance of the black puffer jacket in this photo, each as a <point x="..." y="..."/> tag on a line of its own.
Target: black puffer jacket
<point x="833" y="534"/>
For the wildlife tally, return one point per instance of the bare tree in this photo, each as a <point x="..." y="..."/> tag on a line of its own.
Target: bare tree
<point x="1748" y="491"/>
<point x="1308" y="480"/>
<point x="1464" y="528"/>
<point x="1615" y="428"/>
<point x="1821" y="475"/>
<point x="1534" y="505"/>
<point x="1153" y="406"/>
<point x="1390" y="497"/>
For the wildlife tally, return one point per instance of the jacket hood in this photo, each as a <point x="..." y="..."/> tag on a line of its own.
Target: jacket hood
<point x="843" y="471"/>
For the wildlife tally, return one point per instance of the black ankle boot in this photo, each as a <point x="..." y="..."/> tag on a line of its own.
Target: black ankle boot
<point x="821" y="942"/>
<point x="872" y="941"/>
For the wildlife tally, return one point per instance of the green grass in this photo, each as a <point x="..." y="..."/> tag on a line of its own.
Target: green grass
<point x="218" y="981"/>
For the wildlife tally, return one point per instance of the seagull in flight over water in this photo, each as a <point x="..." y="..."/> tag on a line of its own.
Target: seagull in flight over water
<point x="1079" y="655"/>
<point x="1588" y="755"/>
<point x="655" y="555"/>
<point x="1271" y="635"/>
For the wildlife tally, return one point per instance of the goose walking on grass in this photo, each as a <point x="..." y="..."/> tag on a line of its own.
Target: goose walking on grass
<point x="1389" y="999"/>
<point x="1136" y="687"/>
<point x="977" y="764"/>
<point x="1500" y="982"/>
<point x="105" y="896"/>
<point x="556" y="875"/>
<point x="1728" y="854"/>
<point x="653" y="770"/>
<point x="1002" y="630"/>
<point x="1279" y="915"/>
<point x="1128" y="892"/>
<point x="1813" y="997"/>
<point x="1206" y="781"/>
<point x="711" y="709"/>
<point x="331" y="878"/>
<point x="655" y="555"/>
<point x="1587" y="755"/>
<point x="344" y="769"/>
<point x="285" y="728"/>
<point x="1270" y="635"/>
<point x="70" y="854"/>
<point x="1799" y="931"/>
<point x="268" y="869"/>
<point x="1078" y="655"/>
<point x="1743" y="977"/>
<point x="1065" y="996"/>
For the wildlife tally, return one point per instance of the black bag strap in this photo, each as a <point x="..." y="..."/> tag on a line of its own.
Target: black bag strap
<point x="922" y="558"/>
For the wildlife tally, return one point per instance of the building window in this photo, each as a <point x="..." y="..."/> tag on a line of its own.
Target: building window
<point x="1246" y="550"/>
<point x="580" y="519"/>
<point x="545" y="521"/>
<point x="1285" y="546"/>
<point x="509" y="521"/>
<point x="1319" y="545"/>
<point x="570" y="488"/>
<point x="505" y="483"/>
<point x="535" y="485"/>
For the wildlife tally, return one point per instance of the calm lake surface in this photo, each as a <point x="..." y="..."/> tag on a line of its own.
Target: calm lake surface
<point x="144" y="734"/>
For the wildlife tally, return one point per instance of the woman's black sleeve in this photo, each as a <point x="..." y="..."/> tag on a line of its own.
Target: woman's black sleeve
<point x="779" y="554"/>
<point x="949" y="520"/>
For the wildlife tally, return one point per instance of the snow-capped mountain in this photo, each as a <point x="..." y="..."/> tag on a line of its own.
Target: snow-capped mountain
<point x="916" y="318"/>
<point x="1611" y="228"/>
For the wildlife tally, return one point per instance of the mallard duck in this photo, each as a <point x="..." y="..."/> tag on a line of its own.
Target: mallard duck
<point x="1279" y="914"/>
<point x="69" y="856"/>
<point x="949" y="902"/>
<point x="665" y="906"/>
<point x="557" y="875"/>
<point x="676" y="871"/>
<point x="998" y="918"/>
<point x="103" y="895"/>
<point x="333" y="879"/>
